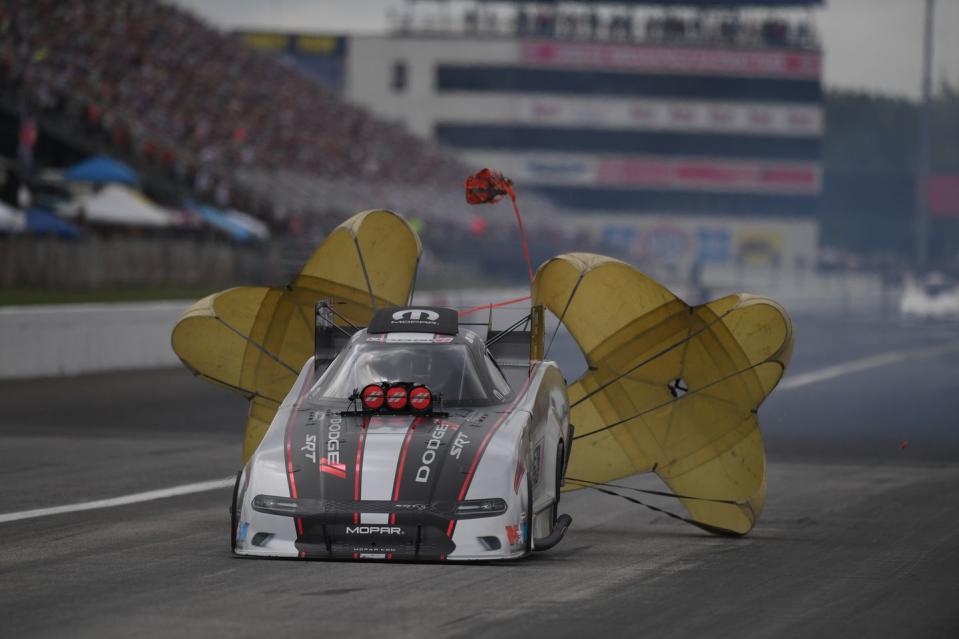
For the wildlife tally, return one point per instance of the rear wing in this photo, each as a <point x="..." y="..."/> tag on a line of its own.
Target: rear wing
<point x="329" y="337"/>
<point x="517" y="347"/>
<point x="514" y="348"/>
<point x="520" y="343"/>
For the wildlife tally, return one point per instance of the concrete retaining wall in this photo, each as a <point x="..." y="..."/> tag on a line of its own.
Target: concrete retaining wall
<point x="70" y="339"/>
<point x="41" y="341"/>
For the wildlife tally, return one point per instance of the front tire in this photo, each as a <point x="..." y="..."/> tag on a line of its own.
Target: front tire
<point x="234" y="513"/>
<point x="528" y="532"/>
<point x="560" y="461"/>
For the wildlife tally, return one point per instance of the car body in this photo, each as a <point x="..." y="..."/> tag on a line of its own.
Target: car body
<point x="476" y="476"/>
<point x="931" y="297"/>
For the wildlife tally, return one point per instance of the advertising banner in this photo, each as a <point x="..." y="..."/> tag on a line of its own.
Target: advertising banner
<point x="943" y="192"/>
<point x="777" y="178"/>
<point x="709" y="175"/>
<point x="672" y="60"/>
<point x="639" y="114"/>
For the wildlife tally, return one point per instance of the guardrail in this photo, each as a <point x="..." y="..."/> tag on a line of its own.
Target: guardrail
<point x="71" y="339"/>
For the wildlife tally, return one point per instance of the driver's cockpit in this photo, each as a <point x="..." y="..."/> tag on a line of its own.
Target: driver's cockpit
<point x="455" y="368"/>
<point x="410" y="346"/>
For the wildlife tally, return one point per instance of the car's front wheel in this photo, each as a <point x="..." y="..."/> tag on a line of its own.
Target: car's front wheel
<point x="528" y="524"/>
<point x="234" y="513"/>
<point x="560" y="460"/>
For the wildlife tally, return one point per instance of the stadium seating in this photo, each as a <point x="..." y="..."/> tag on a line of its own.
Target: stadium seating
<point x="167" y="89"/>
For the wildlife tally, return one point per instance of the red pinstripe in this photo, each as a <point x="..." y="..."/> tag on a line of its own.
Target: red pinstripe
<point x="482" y="448"/>
<point x="291" y="480"/>
<point x="402" y="462"/>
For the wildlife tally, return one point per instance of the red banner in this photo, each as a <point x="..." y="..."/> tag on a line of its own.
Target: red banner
<point x="709" y="175"/>
<point x="943" y="192"/>
<point x="665" y="60"/>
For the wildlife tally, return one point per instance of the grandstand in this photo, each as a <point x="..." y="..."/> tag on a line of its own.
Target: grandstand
<point x="165" y="91"/>
<point x="680" y="133"/>
<point x="205" y="119"/>
<point x="688" y="137"/>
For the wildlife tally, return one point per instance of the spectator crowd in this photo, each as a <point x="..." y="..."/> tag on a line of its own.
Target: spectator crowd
<point x="163" y="87"/>
<point x="164" y="91"/>
<point x="159" y="87"/>
<point x="719" y="26"/>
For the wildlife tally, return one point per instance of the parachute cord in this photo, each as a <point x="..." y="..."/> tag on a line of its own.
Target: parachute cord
<point x="562" y="316"/>
<point x="659" y="493"/>
<point x="259" y="347"/>
<point x="522" y="231"/>
<point x="366" y="275"/>
<point x="409" y="298"/>
<point x="664" y="404"/>
<point x="494" y="305"/>
<point x="509" y="329"/>
<point x="716" y="530"/>
<point x="649" y="359"/>
<point x="333" y="311"/>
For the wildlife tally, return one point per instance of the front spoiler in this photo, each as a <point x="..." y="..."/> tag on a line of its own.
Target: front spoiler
<point x="332" y="511"/>
<point x="402" y="530"/>
<point x="380" y="554"/>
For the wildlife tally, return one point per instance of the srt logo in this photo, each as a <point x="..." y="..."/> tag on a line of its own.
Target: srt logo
<point x="331" y="463"/>
<point x="374" y="530"/>
<point x="419" y="507"/>
<point x="429" y="455"/>
<point x="310" y="448"/>
<point x="416" y="315"/>
<point x="458" y="443"/>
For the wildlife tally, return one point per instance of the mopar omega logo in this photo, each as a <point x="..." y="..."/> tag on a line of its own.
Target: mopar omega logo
<point x="416" y="315"/>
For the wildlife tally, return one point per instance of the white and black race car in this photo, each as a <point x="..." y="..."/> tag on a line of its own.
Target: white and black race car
<point x="415" y="438"/>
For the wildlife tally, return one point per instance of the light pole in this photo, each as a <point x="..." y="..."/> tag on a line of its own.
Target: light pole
<point x="922" y="161"/>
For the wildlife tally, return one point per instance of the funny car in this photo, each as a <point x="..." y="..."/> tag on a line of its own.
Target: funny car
<point x="414" y="438"/>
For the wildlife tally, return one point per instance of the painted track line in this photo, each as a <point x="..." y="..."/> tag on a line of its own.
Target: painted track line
<point x="864" y="364"/>
<point x="123" y="500"/>
<point x="797" y="381"/>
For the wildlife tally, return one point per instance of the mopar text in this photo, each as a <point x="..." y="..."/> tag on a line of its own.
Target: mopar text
<point x="374" y="530"/>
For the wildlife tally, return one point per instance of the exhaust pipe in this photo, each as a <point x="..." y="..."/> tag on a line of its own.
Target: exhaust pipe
<point x="556" y="536"/>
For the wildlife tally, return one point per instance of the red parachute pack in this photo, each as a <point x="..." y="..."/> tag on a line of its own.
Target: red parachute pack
<point x="488" y="186"/>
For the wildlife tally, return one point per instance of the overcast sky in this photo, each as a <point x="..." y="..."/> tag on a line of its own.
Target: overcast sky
<point x="869" y="44"/>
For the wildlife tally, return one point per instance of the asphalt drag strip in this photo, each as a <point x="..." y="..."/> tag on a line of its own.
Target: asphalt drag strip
<point x="858" y="536"/>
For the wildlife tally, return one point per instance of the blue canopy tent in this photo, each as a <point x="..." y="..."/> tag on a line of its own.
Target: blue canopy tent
<point x="219" y="220"/>
<point x="101" y="168"/>
<point x="41" y="222"/>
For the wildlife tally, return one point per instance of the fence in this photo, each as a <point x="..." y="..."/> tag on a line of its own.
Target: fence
<point x="103" y="262"/>
<point x="41" y="341"/>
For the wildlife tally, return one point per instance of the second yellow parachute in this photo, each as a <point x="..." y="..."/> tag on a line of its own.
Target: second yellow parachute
<point x="670" y="388"/>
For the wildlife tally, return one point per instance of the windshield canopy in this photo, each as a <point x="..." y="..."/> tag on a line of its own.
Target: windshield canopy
<point x="449" y="370"/>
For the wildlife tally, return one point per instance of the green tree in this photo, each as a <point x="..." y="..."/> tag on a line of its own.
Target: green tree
<point x="869" y="161"/>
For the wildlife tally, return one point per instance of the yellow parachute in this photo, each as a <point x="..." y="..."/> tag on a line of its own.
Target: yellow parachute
<point x="255" y="340"/>
<point x="670" y="388"/>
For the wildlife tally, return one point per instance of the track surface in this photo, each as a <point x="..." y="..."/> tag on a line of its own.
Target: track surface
<point x="859" y="535"/>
